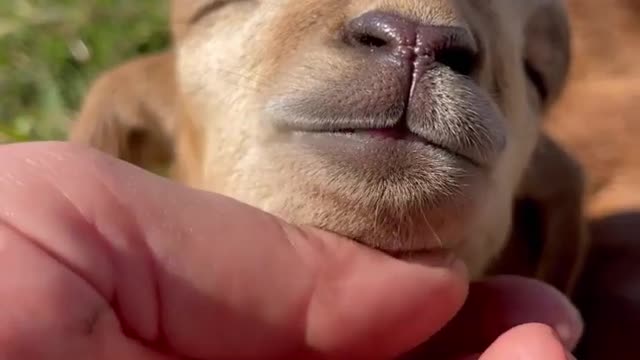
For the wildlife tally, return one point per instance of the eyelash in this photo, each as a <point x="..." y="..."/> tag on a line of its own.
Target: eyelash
<point x="537" y="80"/>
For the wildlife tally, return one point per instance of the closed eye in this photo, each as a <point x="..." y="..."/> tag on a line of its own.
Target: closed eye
<point x="208" y="7"/>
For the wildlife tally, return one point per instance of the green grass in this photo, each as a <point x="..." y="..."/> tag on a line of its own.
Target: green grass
<point x="51" y="50"/>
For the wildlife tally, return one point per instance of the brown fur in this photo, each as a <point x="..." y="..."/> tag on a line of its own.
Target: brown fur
<point x="223" y="145"/>
<point x="597" y="121"/>
<point x="549" y="239"/>
<point x="129" y="112"/>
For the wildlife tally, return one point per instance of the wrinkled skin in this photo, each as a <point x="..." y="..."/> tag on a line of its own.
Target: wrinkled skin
<point x="106" y="265"/>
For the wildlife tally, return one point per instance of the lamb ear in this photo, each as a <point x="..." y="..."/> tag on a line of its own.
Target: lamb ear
<point x="547" y="51"/>
<point x="550" y="237"/>
<point x="129" y="112"/>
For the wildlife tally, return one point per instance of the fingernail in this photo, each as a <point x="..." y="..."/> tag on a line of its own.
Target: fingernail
<point x="563" y="333"/>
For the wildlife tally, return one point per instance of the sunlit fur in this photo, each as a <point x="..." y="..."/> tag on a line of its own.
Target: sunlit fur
<point x="236" y="59"/>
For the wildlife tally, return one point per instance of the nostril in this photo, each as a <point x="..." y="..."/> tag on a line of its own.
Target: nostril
<point x="462" y="60"/>
<point x="450" y="46"/>
<point x="374" y="30"/>
<point x="370" y="41"/>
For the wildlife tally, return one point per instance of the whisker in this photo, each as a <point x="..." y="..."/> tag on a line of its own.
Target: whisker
<point x="433" y="231"/>
<point x="376" y="212"/>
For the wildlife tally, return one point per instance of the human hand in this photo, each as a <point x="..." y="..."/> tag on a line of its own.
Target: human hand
<point x="100" y="260"/>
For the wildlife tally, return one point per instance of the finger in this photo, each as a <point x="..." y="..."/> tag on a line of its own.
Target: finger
<point x="51" y="313"/>
<point x="206" y="276"/>
<point x="527" y="342"/>
<point x="499" y="304"/>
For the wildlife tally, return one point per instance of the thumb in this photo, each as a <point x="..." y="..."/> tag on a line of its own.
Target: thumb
<point x="203" y="276"/>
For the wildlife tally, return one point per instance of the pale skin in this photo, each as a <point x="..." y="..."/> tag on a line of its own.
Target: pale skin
<point x="101" y="260"/>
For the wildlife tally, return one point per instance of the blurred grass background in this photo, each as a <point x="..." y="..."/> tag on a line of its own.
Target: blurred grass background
<point x="51" y="50"/>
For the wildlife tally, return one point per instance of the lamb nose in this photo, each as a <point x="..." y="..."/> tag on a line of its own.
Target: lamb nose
<point x="377" y="31"/>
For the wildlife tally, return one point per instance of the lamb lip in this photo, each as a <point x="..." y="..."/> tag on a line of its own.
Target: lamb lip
<point x="399" y="134"/>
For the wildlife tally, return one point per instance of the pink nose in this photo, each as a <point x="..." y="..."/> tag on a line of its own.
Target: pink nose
<point x="379" y="32"/>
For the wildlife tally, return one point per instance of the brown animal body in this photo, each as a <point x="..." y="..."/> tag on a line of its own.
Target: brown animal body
<point x="598" y="121"/>
<point x="406" y="125"/>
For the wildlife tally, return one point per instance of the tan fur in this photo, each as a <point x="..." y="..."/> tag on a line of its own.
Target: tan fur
<point x="598" y="121"/>
<point x="227" y="80"/>
<point x="239" y="57"/>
